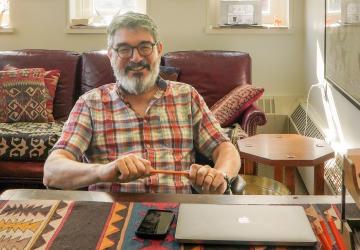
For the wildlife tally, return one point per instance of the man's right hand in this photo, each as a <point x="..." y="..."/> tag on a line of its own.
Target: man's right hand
<point x="125" y="169"/>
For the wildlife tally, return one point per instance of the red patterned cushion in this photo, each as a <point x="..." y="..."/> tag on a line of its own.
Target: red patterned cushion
<point x="228" y="109"/>
<point x="23" y="96"/>
<point x="51" y="78"/>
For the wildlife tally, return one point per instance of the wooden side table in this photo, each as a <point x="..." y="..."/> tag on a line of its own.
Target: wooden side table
<point x="286" y="151"/>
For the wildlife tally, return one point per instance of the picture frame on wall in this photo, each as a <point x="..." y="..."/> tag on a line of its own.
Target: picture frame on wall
<point x="342" y="47"/>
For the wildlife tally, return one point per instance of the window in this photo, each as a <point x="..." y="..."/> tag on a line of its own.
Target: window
<point x="248" y="14"/>
<point x="98" y="13"/>
<point x="4" y="14"/>
<point x="333" y="6"/>
<point x="265" y="7"/>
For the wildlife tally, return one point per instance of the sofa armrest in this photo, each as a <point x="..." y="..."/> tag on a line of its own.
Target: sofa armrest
<point x="251" y="118"/>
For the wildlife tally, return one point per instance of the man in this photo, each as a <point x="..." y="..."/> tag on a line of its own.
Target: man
<point x="127" y="129"/>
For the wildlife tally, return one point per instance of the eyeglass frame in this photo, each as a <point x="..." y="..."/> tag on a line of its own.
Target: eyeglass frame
<point x="137" y="48"/>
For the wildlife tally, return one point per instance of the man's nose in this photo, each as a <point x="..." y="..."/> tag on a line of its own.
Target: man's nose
<point x="136" y="57"/>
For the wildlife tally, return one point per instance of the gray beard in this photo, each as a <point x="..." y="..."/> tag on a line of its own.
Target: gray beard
<point x="135" y="85"/>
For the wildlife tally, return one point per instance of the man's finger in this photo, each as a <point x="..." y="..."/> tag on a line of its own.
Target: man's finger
<point x="124" y="171"/>
<point x="140" y="166"/>
<point x="201" y="175"/>
<point x="147" y="164"/>
<point x="193" y="171"/>
<point x="133" y="171"/>
<point x="144" y="161"/>
<point x="208" y="180"/>
<point x="221" y="189"/>
<point x="218" y="181"/>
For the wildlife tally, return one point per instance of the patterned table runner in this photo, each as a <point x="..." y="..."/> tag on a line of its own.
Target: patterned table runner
<point x="45" y="224"/>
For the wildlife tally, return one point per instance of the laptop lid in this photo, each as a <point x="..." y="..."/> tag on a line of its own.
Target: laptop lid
<point x="244" y="225"/>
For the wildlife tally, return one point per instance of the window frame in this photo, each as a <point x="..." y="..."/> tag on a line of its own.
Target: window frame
<point x="212" y="17"/>
<point x="8" y="28"/>
<point x="268" y="10"/>
<point x="73" y="10"/>
<point x="332" y="10"/>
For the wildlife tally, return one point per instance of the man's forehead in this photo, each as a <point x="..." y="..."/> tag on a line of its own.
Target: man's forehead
<point x="132" y="36"/>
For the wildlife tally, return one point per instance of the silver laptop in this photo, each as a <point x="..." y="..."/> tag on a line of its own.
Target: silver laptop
<point x="244" y="225"/>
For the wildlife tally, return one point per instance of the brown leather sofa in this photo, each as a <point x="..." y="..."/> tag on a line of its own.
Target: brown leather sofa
<point x="212" y="73"/>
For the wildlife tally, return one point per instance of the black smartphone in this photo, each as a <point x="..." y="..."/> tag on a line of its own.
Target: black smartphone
<point x="155" y="224"/>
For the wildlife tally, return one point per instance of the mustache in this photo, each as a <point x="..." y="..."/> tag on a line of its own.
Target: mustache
<point x="134" y="65"/>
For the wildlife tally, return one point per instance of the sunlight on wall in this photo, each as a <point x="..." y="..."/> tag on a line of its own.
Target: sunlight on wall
<point x="334" y="134"/>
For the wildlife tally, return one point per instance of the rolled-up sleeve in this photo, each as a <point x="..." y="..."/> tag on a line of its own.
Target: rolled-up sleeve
<point x="77" y="131"/>
<point x="208" y="133"/>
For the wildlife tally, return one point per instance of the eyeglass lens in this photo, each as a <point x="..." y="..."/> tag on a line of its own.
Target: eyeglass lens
<point x="144" y="49"/>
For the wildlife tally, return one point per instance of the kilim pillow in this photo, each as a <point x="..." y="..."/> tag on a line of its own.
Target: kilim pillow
<point x="23" y="96"/>
<point x="228" y="109"/>
<point x="51" y="78"/>
<point x="169" y="73"/>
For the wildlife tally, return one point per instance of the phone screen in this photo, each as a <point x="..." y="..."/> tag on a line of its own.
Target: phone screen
<point x="155" y="223"/>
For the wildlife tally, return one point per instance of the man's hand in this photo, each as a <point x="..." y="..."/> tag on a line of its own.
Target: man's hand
<point x="125" y="169"/>
<point x="207" y="180"/>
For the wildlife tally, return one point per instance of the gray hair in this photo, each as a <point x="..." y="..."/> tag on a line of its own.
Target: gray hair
<point x="131" y="20"/>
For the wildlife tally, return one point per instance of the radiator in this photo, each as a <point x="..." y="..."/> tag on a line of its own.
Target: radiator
<point x="333" y="167"/>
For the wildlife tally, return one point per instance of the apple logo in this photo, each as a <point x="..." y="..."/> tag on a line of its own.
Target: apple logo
<point x="244" y="220"/>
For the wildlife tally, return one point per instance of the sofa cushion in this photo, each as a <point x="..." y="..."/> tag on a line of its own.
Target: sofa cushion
<point x="23" y="96"/>
<point x="67" y="62"/>
<point x="212" y="73"/>
<point x="229" y="108"/>
<point x="51" y="78"/>
<point x="25" y="141"/>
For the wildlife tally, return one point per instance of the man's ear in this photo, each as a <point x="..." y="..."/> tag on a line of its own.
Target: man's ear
<point x="159" y="47"/>
<point x="110" y="53"/>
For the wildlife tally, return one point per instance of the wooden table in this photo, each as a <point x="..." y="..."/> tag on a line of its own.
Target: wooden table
<point x="286" y="151"/>
<point x="89" y="220"/>
<point x="43" y="194"/>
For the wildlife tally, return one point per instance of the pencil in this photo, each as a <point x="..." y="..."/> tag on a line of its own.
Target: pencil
<point x="157" y="171"/>
<point x="322" y="238"/>
<point x="325" y="231"/>
<point x="335" y="232"/>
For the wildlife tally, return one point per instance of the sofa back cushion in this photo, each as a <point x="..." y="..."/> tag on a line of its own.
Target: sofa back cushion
<point x="65" y="61"/>
<point x="212" y="73"/>
<point x="96" y="70"/>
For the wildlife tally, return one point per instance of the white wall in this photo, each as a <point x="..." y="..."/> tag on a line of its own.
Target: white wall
<point x="277" y="58"/>
<point x="348" y="115"/>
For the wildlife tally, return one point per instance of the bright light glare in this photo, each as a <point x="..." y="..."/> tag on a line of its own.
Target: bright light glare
<point x="334" y="134"/>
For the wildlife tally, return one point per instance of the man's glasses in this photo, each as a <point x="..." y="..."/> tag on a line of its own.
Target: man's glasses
<point x="126" y="51"/>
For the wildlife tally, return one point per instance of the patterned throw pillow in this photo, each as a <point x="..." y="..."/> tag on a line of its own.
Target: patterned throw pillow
<point x="169" y="73"/>
<point x="228" y="109"/>
<point x="23" y="96"/>
<point x="51" y="78"/>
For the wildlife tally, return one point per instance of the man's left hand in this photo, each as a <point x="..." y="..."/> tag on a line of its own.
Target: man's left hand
<point x="207" y="180"/>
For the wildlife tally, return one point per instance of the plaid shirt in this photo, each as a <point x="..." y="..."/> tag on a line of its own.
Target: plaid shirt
<point x="101" y="128"/>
